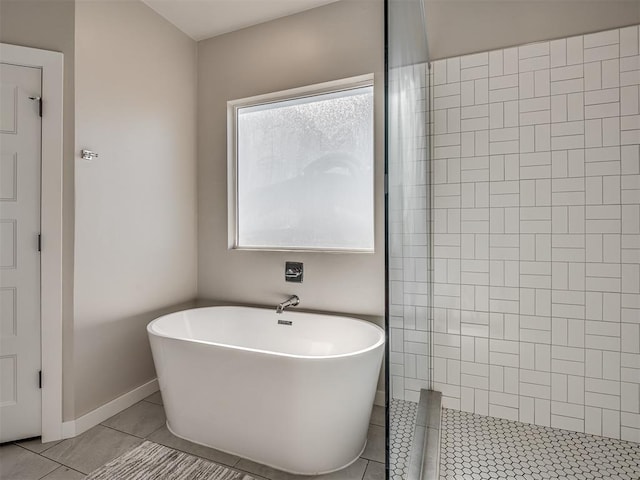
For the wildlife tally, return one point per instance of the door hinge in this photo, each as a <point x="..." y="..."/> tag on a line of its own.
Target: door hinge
<point x="39" y="242"/>
<point x="40" y="379"/>
<point x="39" y="100"/>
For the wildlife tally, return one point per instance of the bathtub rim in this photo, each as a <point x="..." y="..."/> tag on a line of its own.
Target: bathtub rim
<point x="381" y="338"/>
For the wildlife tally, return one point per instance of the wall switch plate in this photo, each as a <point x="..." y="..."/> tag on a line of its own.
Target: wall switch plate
<point x="293" y="272"/>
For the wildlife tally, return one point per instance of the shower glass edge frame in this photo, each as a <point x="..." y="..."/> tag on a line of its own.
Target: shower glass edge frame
<point x="428" y="152"/>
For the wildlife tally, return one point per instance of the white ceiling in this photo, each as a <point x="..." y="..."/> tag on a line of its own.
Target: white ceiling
<point x="202" y="19"/>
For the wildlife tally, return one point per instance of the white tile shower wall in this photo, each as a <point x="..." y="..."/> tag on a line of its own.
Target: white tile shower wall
<point x="536" y="227"/>
<point x="408" y="238"/>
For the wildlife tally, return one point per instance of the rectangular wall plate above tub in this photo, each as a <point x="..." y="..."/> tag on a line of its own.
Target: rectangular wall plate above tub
<point x="293" y="272"/>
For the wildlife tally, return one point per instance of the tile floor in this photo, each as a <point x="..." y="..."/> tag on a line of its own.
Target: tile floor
<point x="73" y="458"/>
<point x="402" y="420"/>
<point x="478" y="447"/>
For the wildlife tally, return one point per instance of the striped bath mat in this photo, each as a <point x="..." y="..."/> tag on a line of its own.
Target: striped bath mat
<point x="151" y="461"/>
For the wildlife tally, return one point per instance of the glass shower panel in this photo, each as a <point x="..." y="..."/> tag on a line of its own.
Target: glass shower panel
<point x="408" y="226"/>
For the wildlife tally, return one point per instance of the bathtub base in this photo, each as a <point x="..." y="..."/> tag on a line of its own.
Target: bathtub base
<point x="267" y="465"/>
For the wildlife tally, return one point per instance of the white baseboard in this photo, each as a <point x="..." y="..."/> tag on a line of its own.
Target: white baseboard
<point x="80" y="425"/>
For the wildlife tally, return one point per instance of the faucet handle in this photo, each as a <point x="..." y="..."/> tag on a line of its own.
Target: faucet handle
<point x="293" y="272"/>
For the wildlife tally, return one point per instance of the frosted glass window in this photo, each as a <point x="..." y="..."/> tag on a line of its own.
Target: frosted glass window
<point x="304" y="172"/>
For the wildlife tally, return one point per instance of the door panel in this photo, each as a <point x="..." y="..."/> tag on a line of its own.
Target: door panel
<point x="20" y="140"/>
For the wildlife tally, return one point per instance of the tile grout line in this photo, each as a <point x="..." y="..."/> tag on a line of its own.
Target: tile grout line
<point x="62" y="466"/>
<point x="126" y="433"/>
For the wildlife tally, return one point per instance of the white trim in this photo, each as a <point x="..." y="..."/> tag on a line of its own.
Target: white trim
<point x="80" y="425"/>
<point x="307" y="90"/>
<point x="68" y="429"/>
<point x="343" y="84"/>
<point x="51" y="64"/>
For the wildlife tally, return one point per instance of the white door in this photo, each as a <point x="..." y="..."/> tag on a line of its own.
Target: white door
<point x="20" y="139"/>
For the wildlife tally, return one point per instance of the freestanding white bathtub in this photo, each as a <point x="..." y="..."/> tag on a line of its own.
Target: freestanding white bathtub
<point x="294" y="397"/>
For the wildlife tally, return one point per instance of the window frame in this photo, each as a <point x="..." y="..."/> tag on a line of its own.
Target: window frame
<point x="233" y="106"/>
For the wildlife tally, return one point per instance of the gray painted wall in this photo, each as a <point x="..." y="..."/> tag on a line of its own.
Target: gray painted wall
<point x="459" y="27"/>
<point x="129" y="87"/>
<point x="135" y="243"/>
<point x="336" y="41"/>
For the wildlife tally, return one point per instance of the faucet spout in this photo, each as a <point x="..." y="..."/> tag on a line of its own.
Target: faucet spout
<point x="292" y="301"/>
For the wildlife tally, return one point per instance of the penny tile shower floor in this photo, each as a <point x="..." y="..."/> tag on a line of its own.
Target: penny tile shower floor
<point x="402" y="421"/>
<point x="478" y="447"/>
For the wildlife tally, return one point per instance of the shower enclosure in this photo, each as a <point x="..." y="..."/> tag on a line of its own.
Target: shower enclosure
<point x="408" y="318"/>
<point x="513" y="258"/>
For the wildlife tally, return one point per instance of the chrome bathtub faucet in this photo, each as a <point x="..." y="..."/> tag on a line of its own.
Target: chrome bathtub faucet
<point x="292" y="301"/>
